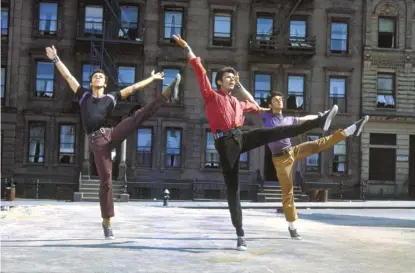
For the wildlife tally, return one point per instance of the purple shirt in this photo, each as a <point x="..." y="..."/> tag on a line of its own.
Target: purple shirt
<point x="270" y="120"/>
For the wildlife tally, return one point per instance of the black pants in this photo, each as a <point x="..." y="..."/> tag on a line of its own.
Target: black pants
<point x="231" y="147"/>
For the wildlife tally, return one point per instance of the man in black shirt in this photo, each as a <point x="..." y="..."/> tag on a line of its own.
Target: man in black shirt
<point x="96" y="107"/>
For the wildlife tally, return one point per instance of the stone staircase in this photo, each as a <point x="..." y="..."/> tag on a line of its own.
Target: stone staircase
<point x="89" y="191"/>
<point x="272" y="192"/>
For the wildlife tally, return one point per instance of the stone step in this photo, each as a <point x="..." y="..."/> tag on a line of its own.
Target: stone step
<point x="296" y="191"/>
<point x="96" y="195"/>
<point x="94" y="190"/>
<point x="277" y="187"/>
<point x="272" y="199"/>
<point x="93" y="185"/>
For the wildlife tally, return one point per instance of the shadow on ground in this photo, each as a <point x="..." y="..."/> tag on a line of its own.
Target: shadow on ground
<point x="357" y="220"/>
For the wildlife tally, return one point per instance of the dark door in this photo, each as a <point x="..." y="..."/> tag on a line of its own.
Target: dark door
<point x="92" y="167"/>
<point x="269" y="170"/>
<point x="411" y="159"/>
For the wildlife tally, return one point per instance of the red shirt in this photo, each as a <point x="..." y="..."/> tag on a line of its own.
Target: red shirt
<point x="223" y="111"/>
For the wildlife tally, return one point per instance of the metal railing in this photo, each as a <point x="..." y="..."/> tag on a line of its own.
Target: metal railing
<point x="281" y="43"/>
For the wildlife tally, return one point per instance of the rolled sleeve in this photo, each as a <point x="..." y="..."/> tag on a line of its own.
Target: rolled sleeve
<point x="202" y="79"/>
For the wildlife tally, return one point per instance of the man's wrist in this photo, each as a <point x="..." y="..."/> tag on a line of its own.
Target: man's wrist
<point x="238" y="85"/>
<point x="55" y="60"/>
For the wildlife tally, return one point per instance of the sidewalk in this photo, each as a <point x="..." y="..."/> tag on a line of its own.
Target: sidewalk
<point x="356" y="204"/>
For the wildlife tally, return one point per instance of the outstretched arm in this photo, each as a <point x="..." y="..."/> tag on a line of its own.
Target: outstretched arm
<point x="53" y="56"/>
<point x="126" y="92"/>
<point x="202" y="78"/>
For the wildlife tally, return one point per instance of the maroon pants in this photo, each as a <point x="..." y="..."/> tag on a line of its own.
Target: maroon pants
<point x="101" y="142"/>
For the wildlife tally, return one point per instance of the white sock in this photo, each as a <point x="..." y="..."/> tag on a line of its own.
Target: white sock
<point x="350" y="130"/>
<point x="291" y="225"/>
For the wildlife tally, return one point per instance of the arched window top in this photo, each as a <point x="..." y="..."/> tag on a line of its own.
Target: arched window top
<point x="389" y="8"/>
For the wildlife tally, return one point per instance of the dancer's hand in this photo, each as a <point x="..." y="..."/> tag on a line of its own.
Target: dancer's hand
<point x="180" y="41"/>
<point x="157" y="76"/>
<point x="51" y="52"/>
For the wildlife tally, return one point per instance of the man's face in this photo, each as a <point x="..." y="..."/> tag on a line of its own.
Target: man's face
<point x="98" y="80"/>
<point x="277" y="103"/>
<point x="227" y="82"/>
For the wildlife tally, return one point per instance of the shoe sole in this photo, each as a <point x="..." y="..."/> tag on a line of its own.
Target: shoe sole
<point x="109" y="238"/>
<point x="176" y="88"/>
<point x="296" y="238"/>
<point x="365" y="120"/>
<point x="330" y="117"/>
<point x="241" y="248"/>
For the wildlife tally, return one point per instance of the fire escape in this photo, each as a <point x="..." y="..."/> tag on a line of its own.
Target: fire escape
<point x="280" y="41"/>
<point x="107" y="36"/>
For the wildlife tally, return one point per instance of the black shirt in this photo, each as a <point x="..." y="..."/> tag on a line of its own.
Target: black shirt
<point x="96" y="111"/>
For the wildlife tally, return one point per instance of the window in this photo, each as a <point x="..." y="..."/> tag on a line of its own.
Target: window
<point x="339" y="157"/>
<point x="67" y="144"/>
<point x="339" y="34"/>
<point x="298" y="30"/>
<point x="3" y="81"/>
<point x="262" y="88"/>
<point x="169" y="77"/>
<point x="87" y="70"/>
<point x="387" y="32"/>
<point x="222" y="29"/>
<point x="212" y="80"/>
<point x="338" y="93"/>
<point x="385" y="91"/>
<point x="212" y="156"/>
<point x="126" y="76"/>
<point x="295" y="100"/>
<point x="173" y="148"/>
<point x="129" y="22"/>
<point x="48" y="18"/>
<point x="4" y="21"/>
<point x="382" y="139"/>
<point x="264" y="27"/>
<point x="93" y="20"/>
<point x="244" y="161"/>
<point x="44" y="79"/>
<point x="144" y="147"/>
<point x="173" y="22"/>
<point x="36" y="142"/>
<point x="382" y="164"/>
<point x="312" y="162"/>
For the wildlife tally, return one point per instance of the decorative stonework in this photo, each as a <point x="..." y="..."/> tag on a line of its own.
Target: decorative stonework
<point x="386" y="8"/>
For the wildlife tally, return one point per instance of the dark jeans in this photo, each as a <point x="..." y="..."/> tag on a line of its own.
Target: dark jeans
<point x="101" y="144"/>
<point x="231" y="147"/>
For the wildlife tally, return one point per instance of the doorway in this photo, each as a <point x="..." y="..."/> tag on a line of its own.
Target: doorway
<point x="270" y="174"/>
<point x="411" y="176"/>
<point x="115" y="163"/>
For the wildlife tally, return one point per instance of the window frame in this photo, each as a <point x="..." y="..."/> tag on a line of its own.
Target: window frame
<point x="303" y="108"/>
<point x="298" y="19"/>
<point x="138" y="152"/>
<point x="28" y="156"/>
<point x="180" y="164"/>
<point x="391" y="76"/>
<point x="331" y="100"/>
<point x="211" y="164"/>
<point x="74" y="143"/>
<point x="345" y="162"/>
<point x="136" y="29"/>
<point x="310" y="168"/>
<point x="35" y="92"/>
<point x="161" y="85"/>
<point x="395" y="31"/>
<point x="8" y="22"/>
<point x="340" y="21"/>
<point x="47" y="33"/>
<point x="254" y="83"/>
<point x="85" y="22"/>
<point x="264" y="15"/>
<point x="172" y="8"/>
<point x="222" y="41"/>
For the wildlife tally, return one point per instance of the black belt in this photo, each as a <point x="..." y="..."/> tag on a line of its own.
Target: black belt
<point x="282" y="152"/>
<point x="230" y="132"/>
<point x="99" y="132"/>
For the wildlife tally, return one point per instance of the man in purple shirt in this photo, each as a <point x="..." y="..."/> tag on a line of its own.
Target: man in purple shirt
<point x="284" y="155"/>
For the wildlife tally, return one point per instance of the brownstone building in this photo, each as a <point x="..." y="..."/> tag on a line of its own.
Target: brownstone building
<point x="388" y="92"/>
<point x="309" y="50"/>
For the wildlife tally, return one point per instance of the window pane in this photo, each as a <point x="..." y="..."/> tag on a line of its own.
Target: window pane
<point x="296" y="84"/>
<point x="36" y="153"/>
<point x="173" y="142"/>
<point x="44" y="78"/>
<point x="212" y="81"/>
<point x="386" y="25"/>
<point x="129" y="16"/>
<point x="339" y="36"/>
<point x="4" y="21"/>
<point x="298" y="29"/>
<point x="312" y="162"/>
<point x="222" y="27"/>
<point x="126" y="75"/>
<point x="48" y="13"/>
<point x="144" y="140"/>
<point x="3" y="80"/>
<point x="93" y="19"/>
<point x="337" y="87"/>
<point x="67" y="139"/>
<point x="340" y="148"/>
<point x="385" y="83"/>
<point x="172" y="23"/>
<point x="169" y="76"/>
<point x="243" y="157"/>
<point x="87" y="70"/>
<point x="262" y="88"/>
<point x="264" y="27"/>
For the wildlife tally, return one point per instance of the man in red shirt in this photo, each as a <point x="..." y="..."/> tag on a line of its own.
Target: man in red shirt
<point x="225" y="116"/>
